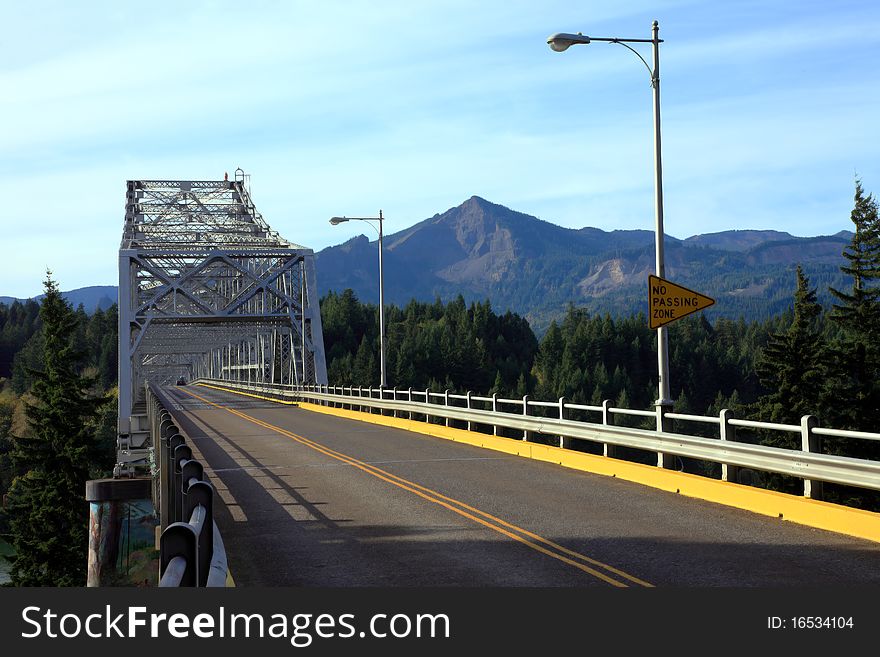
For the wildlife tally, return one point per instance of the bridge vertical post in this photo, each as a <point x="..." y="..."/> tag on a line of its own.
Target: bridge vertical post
<point x="125" y="366"/>
<point x="446" y="403"/>
<point x="728" y="432"/>
<point x="468" y="401"/>
<point x="811" y="443"/>
<point x="563" y="443"/>
<point x="525" y="403"/>
<point x="494" y="411"/>
<point x="664" y="424"/>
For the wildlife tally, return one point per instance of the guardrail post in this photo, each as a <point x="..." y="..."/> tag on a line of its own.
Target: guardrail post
<point x="179" y="455"/>
<point x="201" y="493"/>
<point x="446" y="403"/>
<point x="563" y="443"/>
<point x="526" y="414"/>
<point x="607" y="450"/>
<point x="167" y="503"/>
<point x="179" y="540"/>
<point x="394" y="393"/>
<point x="468" y="401"/>
<point x="427" y="405"/>
<point x="728" y="432"/>
<point x="494" y="411"/>
<point x="409" y="399"/>
<point x="811" y="443"/>
<point x="370" y="393"/>
<point x="664" y="424"/>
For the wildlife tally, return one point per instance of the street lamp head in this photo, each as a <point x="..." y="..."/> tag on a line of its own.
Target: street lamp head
<point x="563" y="41"/>
<point x="335" y="221"/>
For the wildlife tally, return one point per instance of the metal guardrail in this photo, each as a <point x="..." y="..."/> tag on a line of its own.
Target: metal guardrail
<point x="808" y="463"/>
<point x="191" y="550"/>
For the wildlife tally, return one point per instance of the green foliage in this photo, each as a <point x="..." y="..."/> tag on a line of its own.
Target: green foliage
<point x="18" y="322"/>
<point x="21" y="343"/>
<point x="858" y="316"/>
<point x="793" y="366"/>
<point x="48" y="517"/>
<point x="428" y="345"/>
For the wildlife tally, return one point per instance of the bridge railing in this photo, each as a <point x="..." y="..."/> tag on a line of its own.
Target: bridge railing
<point x="191" y="549"/>
<point x="529" y="418"/>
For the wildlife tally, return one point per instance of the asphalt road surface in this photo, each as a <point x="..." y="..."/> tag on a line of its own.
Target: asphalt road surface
<point x="308" y="499"/>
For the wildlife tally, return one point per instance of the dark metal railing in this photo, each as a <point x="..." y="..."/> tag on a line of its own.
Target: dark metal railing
<point x="190" y="549"/>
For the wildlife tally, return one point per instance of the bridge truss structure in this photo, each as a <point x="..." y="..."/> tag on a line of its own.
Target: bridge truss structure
<point x="208" y="289"/>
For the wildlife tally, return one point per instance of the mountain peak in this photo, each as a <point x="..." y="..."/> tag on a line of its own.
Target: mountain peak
<point x="480" y="201"/>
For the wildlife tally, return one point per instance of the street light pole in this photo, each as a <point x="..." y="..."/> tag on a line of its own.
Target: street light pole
<point x="561" y="42"/>
<point x="664" y="398"/>
<point x="382" y="379"/>
<point x="334" y="221"/>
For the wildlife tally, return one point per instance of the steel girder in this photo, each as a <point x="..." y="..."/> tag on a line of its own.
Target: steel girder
<point x="207" y="288"/>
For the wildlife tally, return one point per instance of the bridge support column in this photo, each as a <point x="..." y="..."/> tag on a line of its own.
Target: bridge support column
<point x="121" y="515"/>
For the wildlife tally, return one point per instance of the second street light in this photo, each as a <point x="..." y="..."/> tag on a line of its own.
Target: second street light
<point x="563" y="41"/>
<point x="338" y="220"/>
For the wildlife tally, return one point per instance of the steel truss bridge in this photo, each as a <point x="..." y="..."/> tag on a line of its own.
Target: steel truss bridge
<point x="207" y="288"/>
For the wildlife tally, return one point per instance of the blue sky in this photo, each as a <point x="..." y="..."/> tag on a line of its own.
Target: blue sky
<point x="769" y="110"/>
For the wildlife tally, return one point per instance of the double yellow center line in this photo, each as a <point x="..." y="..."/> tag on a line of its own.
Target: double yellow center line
<point x="602" y="571"/>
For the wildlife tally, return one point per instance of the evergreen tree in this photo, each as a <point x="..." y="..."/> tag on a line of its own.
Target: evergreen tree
<point x="858" y="315"/>
<point x="793" y="365"/>
<point x="47" y="513"/>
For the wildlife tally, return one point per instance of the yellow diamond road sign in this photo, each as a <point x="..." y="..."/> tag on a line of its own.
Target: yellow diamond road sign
<point x="668" y="302"/>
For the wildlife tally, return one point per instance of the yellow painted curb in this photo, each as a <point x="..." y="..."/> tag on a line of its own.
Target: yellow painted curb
<point x="803" y="511"/>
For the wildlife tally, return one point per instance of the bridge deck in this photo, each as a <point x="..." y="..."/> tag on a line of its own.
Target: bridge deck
<point x="315" y="500"/>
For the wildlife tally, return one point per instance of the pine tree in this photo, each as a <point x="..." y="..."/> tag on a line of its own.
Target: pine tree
<point x="47" y="512"/>
<point x="858" y="315"/>
<point x="793" y="364"/>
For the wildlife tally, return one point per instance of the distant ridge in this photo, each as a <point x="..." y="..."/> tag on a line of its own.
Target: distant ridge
<point x="91" y="298"/>
<point x="483" y="250"/>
